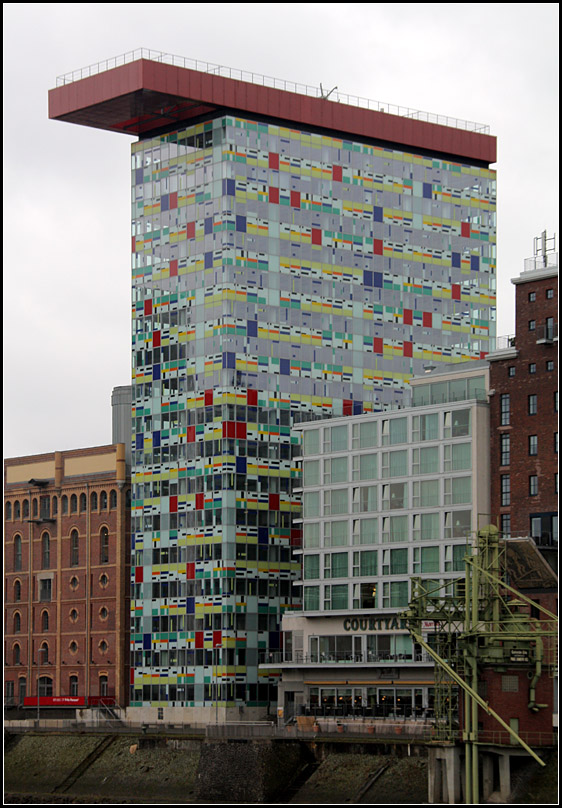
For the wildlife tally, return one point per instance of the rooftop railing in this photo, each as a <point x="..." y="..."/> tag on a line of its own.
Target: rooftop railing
<point x="268" y="81"/>
<point x="548" y="261"/>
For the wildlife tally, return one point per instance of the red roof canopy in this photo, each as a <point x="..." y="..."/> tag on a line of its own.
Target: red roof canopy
<point x="144" y="96"/>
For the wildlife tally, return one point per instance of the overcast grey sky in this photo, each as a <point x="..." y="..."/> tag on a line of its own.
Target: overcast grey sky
<point x="66" y="188"/>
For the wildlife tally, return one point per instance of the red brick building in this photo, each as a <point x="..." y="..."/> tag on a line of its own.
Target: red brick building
<point x="66" y="577"/>
<point x="524" y="410"/>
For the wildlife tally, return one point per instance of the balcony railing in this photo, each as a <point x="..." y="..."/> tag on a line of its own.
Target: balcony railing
<point x="301" y="658"/>
<point x="547" y="332"/>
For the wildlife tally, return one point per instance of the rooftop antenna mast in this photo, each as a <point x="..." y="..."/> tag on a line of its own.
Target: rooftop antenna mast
<point x="324" y="95"/>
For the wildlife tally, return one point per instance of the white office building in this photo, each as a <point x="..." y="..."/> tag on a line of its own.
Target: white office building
<point x="386" y="496"/>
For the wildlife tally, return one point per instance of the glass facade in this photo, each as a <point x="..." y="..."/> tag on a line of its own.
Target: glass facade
<point x="279" y="276"/>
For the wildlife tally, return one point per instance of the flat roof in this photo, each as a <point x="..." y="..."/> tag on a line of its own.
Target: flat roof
<point x="146" y="96"/>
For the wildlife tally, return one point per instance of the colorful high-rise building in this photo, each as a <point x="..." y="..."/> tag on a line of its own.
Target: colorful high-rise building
<point x="293" y="258"/>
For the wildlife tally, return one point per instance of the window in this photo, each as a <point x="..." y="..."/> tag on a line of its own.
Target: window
<point x="395" y="562"/>
<point x="395" y="528"/>
<point x="532" y="404"/>
<point x="504" y="450"/>
<point x="335" y="565"/>
<point x="73" y="503"/>
<point x="505" y="524"/>
<point x="74" y="549"/>
<point x="511" y="371"/>
<point x="532" y="297"/>
<point x="365" y="531"/>
<point x="311" y="473"/>
<point x="505" y="489"/>
<point x="425" y="427"/>
<point x="311" y="534"/>
<point x="104" y="546"/>
<point x="335" y="470"/>
<point x="45" y="589"/>
<point x="17" y="553"/>
<point x="457" y="456"/>
<point x="44" y="654"/>
<point x="335" y="439"/>
<point x="533" y="485"/>
<point x="335" y="501"/>
<point x="533" y="444"/>
<point x="365" y="467"/>
<point x="550" y="294"/>
<point x="8" y="510"/>
<point x="311" y="504"/>
<point x="532" y="325"/>
<point x="458" y="490"/>
<point x="394" y="431"/>
<point x="505" y="409"/>
<point x="17" y="510"/>
<point x="426" y="559"/>
<point x="45" y="685"/>
<point x="532" y="368"/>
<point x="425" y="526"/>
<point x="365" y="563"/>
<point x="94" y="501"/>
<point x="17" y="623"/>
<point x="17" y="591"/>
<point x="335" y="596"/>
<point x="365" y="499"/>
<point x="113" y="498"/>
<point x="394" y="464"/>
<point x="17" y="654"/>
<point x="73" y="686"/>
<point x="335" y="533"/>
<point x="425" y="460"/>
<point x="549" y="330"/>
<point x="64" y="504"/>
<point x="83" y="503"/>
<point x="311" y="442"/>
<point x="457" y="524"/>
<point x="312" y="598"/>
<point x="103" y="500"/>
<point x="550" y="364"/>
<point x="425" y="493"/>
<point x="556" y="443"/>
<point x="395" y="496"/>
<point x="45" y="621"/>
<point x="395" y="594"/>
<point x="364" y="435"/>
<point x="311" y="567"/>
<point x="45" y="551"/>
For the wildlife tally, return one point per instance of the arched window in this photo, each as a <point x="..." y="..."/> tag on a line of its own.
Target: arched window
<point x="55" y="506"/>
<point x="74" y="549"/>
<point x="8" y="510"/>
<point x="45" y="686"/>
<point x="44" y="654"/>
<point x="83" y="502"/>
<point x="35" y="508"/>
<point x="104" y="546"/>
<point x="25" y="508"/>
<point x="45" y="551"/>
<point x="103" y="501"/>
<point x="113" y="498"/>
<point x="94" y="501"/>
<point x="17" y="510"/>
<point x="17" y="654"/>
<point x="73" y="686"/>
<point x="45" y="621"/>
<point x="64" y="504"/>
<point x="104" y="686"/>
<point x="22" y="687"/>
<point x="17" y="552"/>
<point x="17" y="623"/>
<point x="73" y="503"/>
<point x="17" y="591"/>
